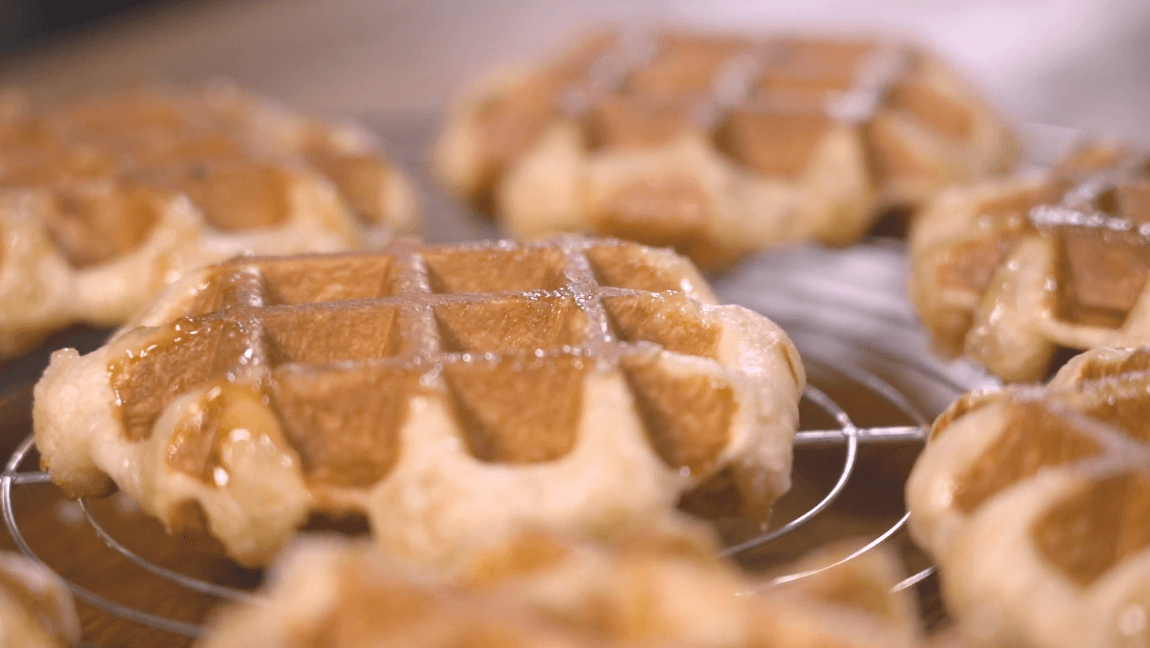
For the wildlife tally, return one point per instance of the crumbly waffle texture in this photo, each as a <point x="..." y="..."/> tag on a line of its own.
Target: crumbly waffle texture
<point x="1010" y="272"/>
<point x="717" y="146"/>
<point x="446" y="394"/>
<point x="36" y="610"/>
<point x="1035" y="503"/>
<point x="105" y="199"/>
<point x="546" y="590"/>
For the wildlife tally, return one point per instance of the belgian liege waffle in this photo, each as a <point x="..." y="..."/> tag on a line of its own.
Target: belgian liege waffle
<point x="1008" y="272"/>
<point x="36" y="610"/>
<point x="717" y="146"/>
<point x="1035" y="502"/>
<point x="105" y="199"/>
<point x="445" y="393"/>
<point x="547" y="590"/>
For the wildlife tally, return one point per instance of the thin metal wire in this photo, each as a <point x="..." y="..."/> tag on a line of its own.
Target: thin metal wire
<point x="189" y="582"/>
<point x="914" y="580"/>
<point x="123" y="611"/>
<point x="811" y="572"/>
<point x="848" y="428"/>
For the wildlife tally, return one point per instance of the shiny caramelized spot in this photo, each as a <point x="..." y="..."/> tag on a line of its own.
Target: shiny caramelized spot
<point x="518" y="411"/>
<point x="360" y="179"/>
<point x="936" y="110"/>
<point x="1137" y="361"/>
<point x="93" y="227"/>
<point x="180" y="357"/>
<point x="38" y="603"/>
<point x="511" y="325"/>
<point x="208" y="297"/>
<point x="1123" y="405"/>
<point x="773" y="143"/>
<point x="971" y="265"/>
<point x="1003" y="219"/>
<point x="630" y="266"/>
<point x="1097" y="527"/>
<point x="676" y="323"/>
<point x="486" y="270"/>
<point x="1032" y="438"/>
<point x="240" y="197"/>
<point x="1102" y="276"/>
<point x="637" y="121"/>
<point x="319" y="334"/>
<point x="687" y="418"/>
<point x="661" y="210"/>
<point x="1134" y="200"/>
<point x="195" y="446"/>
<point x="326" y="278"/>
<point x="345" y="423"/>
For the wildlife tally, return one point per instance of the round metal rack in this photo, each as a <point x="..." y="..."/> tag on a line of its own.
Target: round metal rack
<point x="846" y="435"/>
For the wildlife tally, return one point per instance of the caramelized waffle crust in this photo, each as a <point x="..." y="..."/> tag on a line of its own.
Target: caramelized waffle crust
<point x="717" y="146"/>
<point x="546" y="590"/>
<point x="105" y="199"/>
<point x="36" y="610"/>
<point x="1008" y="272"/>
<point x="445" y="393"/>
<point x="1035" y="502"/>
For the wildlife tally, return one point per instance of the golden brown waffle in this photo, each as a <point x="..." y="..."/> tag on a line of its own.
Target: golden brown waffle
<point x="36" y="610"/>
<point x="1008" y="272"/>
<point x="104" y="200"/>
<point x="445" y="393"/>
<point x="1035" y="502"/>
<point x="546" y="590"/>
<point x="718" y="146"/>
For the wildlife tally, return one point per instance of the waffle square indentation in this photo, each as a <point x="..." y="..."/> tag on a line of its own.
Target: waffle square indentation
<point x="345" y="423"/>
<point x="675" y="323"/>
<point x="518" y="410"/>
<point x="622" y="266"/>
<point x="489" y="270"/>
<point x="321" y="334"/>
<point x="324" y="279"/>
<point x="511" y="325"/>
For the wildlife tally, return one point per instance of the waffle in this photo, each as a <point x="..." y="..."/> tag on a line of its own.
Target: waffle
<point x="36" y="611"/>
<point x="106" y="199"/>
<point x="1035" y="502"/>
<point x="546" y="590"/>
<point x="445" y="393"/>
<point x="1009" y="272"/>
<point x="717" y="146"/>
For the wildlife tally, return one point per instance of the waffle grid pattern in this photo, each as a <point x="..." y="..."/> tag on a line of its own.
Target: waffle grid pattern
<point x="1010" y="272"/>
<point x="1052" y="486"/>
<point x="433" y="391"/>
<point x="547" y="305"/>
<point x="734" y="83"/>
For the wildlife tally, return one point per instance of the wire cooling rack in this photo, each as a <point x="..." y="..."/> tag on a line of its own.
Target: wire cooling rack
<point x="846" y="435"/>
<point x="844" y="310"/>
